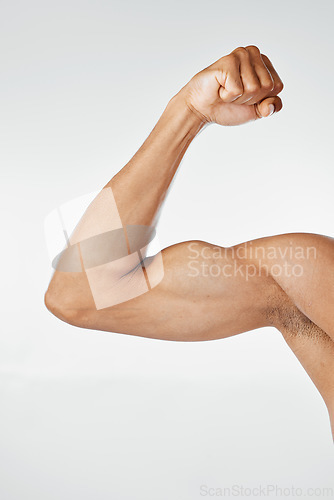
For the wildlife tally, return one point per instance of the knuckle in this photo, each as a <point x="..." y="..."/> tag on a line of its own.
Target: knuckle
<point x="231" y="57"/>
<point x="253" y="48"/>
<point x="252" y="88"/>
<point x="279" y="86"/>
<point x="265" y="58"/>
<point x="268" y="85"/>
<point x="241" y="51"/>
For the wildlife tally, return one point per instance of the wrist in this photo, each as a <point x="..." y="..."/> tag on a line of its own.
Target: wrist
<point x="191" y="122"/>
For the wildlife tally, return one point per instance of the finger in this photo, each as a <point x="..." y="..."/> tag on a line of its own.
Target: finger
<point x="250" y="81"/>
<point x="229" y="79"/>
<point x="263" y="74"/>
<point x="268" y="106"/>
<point x="278" y="84"/>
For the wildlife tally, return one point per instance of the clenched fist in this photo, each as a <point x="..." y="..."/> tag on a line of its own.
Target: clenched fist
<point x="238" y="88"/>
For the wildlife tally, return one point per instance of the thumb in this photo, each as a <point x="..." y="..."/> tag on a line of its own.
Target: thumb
<point x="268" y="106"/>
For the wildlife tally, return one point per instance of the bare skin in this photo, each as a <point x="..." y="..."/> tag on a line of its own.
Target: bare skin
<point x="289" y="278"/>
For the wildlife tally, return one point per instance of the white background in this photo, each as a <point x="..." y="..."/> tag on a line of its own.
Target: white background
<point x="93" y="415"/>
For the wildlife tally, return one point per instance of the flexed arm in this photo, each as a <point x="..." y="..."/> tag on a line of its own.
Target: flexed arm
<point x="236" y="89"/>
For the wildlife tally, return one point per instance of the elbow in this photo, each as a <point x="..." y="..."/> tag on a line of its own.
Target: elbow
<point x="58" y="307"/>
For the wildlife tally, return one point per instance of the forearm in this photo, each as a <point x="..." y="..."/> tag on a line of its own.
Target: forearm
<point x="140" y="187"/>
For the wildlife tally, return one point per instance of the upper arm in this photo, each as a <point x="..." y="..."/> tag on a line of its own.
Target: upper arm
<point x="201" y="295"/>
